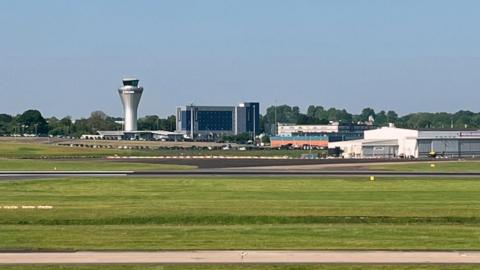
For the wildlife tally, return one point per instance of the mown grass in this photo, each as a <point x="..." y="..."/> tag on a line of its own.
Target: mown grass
<point x="245" y="236"/>
<point x="241" y="213"/>
<point x="243" y="267"/>
<point x="442" y="166"/>
<point x="213" y="200"/>
<point x="82" y="165"/>
<point x="39" y="150"/>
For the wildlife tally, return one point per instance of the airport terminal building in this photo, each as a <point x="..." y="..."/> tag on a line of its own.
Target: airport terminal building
<point x="210" y="122"/>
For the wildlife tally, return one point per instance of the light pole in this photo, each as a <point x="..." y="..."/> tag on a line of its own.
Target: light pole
<point x="275" y="121"/>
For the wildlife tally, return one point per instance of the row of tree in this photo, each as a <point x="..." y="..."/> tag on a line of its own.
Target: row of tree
<point x="321" y="115"/>
<point x="32" y="121"/>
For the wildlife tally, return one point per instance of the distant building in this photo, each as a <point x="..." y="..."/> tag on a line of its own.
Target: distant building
<point x="299" y="142"/>
<point x="144" y="135"/>
<point x="316" y="136"/>
<point x="334" y="131"/>
<point x="209" y="122"/>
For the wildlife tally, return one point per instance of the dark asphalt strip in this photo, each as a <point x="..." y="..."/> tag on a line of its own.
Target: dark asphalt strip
<point x="301" y="173"/>
<point x="192" y="173"/>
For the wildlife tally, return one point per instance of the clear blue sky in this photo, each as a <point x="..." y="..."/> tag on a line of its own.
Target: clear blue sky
<point x="68" y="57"/>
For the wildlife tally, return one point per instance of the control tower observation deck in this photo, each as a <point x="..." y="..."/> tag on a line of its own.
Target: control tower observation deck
<point x="130" y="94"/>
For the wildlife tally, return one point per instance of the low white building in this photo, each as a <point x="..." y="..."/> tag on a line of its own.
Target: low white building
<point x="381" y="142"/>
<point x="391" y="142"/>
<point x="284" y="129"/>
<point x="144" y="135"/>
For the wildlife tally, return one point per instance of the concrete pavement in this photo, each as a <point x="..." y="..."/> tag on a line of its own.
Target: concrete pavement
<point x="277" y="257"/>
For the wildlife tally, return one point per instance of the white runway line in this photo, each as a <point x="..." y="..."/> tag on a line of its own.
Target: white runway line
<point x="9" y="207"/>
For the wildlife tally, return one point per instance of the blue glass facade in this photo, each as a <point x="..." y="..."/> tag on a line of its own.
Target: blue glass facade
<point x="211" y="121"/>
<point x="214" y="120"/>
<point x="186" y="117"/>
<point x="252" y="116"/>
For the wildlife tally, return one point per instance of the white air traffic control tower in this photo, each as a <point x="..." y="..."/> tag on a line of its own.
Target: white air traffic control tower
<point x="130" y="93"/>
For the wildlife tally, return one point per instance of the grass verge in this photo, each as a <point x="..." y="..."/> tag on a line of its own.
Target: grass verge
<point x="83" y="165"/>
<point x="443" y="166"/>
<point x="241" y="213"/>
<point x="42" y="150"/>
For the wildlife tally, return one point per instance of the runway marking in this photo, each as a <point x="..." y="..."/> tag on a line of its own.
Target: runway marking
<point x="10" y="207"/>
<point x="251" y="256"/>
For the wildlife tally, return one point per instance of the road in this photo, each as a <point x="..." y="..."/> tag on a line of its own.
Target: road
<point x="277" y="257"/>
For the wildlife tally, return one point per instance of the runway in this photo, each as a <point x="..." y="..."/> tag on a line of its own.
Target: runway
<point x="237" y="257"/>
<point x="222" y="163"/>
<point x="299" y="173"/>
<point x="246" y="172"/>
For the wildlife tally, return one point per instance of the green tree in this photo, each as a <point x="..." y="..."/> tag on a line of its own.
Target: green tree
<point x="392" y="117"/>
<point x="98" y="120"/>
<point x="381" y="119"/>
<point x="5" y="123"/>
<point x="154" y="122"/>
<point x="366" y="113"/>
<point x="32" y="121"/>
<point x="149" y="122"/>
<point x="60" y="127"/>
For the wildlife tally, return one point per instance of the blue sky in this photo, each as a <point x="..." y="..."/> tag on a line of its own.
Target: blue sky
<point x="68" y="57"/>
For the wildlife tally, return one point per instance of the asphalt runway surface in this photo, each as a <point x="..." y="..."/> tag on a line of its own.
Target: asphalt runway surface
<point x="319" y="168"/>
<point x="27" y="175"/>
<point x="217" y="163"/>
<point x="237" y="257"/>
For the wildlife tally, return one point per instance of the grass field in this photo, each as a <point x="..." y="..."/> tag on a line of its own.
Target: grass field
<point x="37" y="150"/>
<point x="83" y="165"/>
<point x="243" y="267"/>
<point x="443" y="166"/>
<point x="243" y="213"/>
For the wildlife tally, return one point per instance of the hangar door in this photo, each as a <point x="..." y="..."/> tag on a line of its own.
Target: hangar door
<point x="450" y="147"/>
<point x="380" y="151"/>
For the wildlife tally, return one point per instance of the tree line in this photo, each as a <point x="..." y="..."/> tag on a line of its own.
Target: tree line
<point x="32" y="121"/>
<point x="321" y="115"/>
